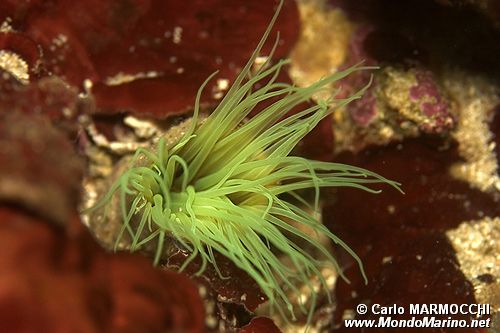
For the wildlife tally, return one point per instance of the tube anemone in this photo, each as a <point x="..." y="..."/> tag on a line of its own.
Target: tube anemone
<point x="221" y="187"/>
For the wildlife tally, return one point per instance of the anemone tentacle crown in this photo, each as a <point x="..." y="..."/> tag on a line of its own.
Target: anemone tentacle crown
<point x="231" y="185"/>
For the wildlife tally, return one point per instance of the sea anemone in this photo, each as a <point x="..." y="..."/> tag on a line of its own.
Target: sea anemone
<point x="231" y="185"/>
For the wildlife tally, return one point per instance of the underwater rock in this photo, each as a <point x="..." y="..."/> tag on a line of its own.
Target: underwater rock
<point x="148" y="57"/>
<point x="489" y="8"/>
<point x="422" y="166"/>
<point x="364" y="110"/>
<point x="415" y="95"/>
<point x="390" y="35"/>
<point x="59" y="280"/>
<point x="39" y="169"/>
<point x="239" y="288"/>
<point x="495" y="129"/>
<point x="260" y="324"/>
<point x="19" y="54"/>
<point x="152" y="300"/>
<point x="432" y="105"/>
<point x="406" y="267"/>
<point x="400" y="238"/>
<point x="35" y="294"/>
<point x="403" y="100"/>
<point x="49" y="96"/>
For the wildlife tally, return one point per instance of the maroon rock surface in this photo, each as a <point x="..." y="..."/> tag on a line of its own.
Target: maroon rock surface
<point x="260" y="324"/>
<point x="59" y="280"/>
<point x="170" y="47"/>
<point x="400" y="238"/>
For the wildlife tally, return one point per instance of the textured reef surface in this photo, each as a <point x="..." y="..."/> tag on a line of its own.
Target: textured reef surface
<point x="85" y="83"/>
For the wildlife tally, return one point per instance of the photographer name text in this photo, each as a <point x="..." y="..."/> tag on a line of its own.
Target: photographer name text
<point x="432" y="309"/>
